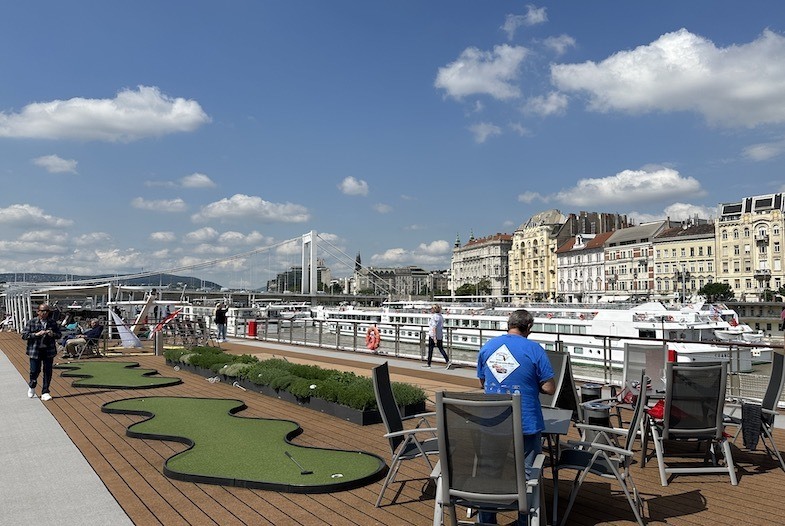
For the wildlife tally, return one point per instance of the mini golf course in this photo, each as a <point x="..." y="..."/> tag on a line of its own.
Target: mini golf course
<point x="114" y="375"/>
<point x="231" y="450"/>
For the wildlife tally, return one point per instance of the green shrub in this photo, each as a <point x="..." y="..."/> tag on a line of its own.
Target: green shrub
<point x="341" y="387"/>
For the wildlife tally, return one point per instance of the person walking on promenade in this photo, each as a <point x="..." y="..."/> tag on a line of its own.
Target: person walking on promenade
<point x="219" y="317"/>
<point x="41" y="334"/>
<point x="436" y="335"/>
<point x="512" y="363"/>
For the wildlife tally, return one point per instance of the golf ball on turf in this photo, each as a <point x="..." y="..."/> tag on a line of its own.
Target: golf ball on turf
<point x="313" y="386"/>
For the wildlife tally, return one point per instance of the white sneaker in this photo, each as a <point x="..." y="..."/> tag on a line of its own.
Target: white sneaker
<point x="426" y="366"/>
<point x="46" y="397"/>
<point x="30" y="392"/>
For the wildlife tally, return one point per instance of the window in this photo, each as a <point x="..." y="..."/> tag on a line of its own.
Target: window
<point x="762" y="249"/>
<point x="692" y="252"/>
<point x="724" y="235"/>
<point x="673" y="253"/>
<point x="736" y="251"/>
<point x="735" y="233"/>
<point x="776" y="247"/>
<point x="700" y="251"/>
<point x="708" y="251"/>
<point x="683" y="252"/>
<point x="746" y="249"/>
<point x="746" y="232"/>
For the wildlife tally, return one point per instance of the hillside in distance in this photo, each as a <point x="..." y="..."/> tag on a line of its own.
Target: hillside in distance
<point x="157" y="280"/>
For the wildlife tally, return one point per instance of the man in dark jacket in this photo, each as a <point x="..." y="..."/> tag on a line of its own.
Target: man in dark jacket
<point x="41" y="333"/>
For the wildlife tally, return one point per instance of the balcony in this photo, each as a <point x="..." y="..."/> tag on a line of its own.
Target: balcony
<point x="761" y="238"/>
<point x="762" y="274"/>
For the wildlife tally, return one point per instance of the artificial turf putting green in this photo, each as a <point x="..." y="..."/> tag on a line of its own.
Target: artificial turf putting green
<point x="114" y="375"/>
<point x="248" y="452"/>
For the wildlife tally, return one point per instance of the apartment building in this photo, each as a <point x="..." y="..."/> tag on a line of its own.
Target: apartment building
<point x="532" y="258"/>
<point x="749" y="242"/>
<point x="684" y="261"/>
<point x="629" y="262"/>
<point x="482" y="258"/>
<point x="580" y="264"/>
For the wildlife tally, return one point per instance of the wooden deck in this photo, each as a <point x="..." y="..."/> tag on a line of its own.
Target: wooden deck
<point x="132" y="468"/>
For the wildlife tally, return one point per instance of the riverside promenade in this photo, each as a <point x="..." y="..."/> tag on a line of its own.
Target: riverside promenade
<point x="114" y="479"/>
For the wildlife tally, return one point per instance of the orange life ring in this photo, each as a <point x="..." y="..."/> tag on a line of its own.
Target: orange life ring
<point x="372" y="338"/>
<point x="550" y="315"/>
<point x="580" y="316"/>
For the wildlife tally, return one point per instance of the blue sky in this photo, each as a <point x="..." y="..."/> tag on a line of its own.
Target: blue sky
<point x="160" y="135"/>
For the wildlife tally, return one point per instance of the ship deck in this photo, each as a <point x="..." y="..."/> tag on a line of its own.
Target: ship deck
<point x="131" y="469"/>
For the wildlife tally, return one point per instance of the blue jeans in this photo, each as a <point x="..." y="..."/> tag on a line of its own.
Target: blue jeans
<point x="221" y="331"/>
<point x="532" y="446"/>
<point x="35" y="370"/>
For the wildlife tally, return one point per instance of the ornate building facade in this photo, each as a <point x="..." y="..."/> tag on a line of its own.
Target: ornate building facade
<point x="479" y="259"/>
<point x="749" y="241"/>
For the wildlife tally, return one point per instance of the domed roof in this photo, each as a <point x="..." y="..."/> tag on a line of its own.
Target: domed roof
<point x="548" y="217"/>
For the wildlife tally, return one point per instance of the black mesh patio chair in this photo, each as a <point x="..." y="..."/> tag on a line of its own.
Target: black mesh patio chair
<point x="693" y="412"/>
<point x="481" y="457"/>
<point x="405" y="444"/>
<point x="767" y="408"/>
<point x="608" y="455"/>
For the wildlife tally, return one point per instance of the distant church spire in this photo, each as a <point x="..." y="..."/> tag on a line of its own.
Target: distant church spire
<point x="457" y="240"/>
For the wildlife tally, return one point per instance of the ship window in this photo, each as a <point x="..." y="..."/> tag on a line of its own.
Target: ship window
<point x="577" y="350"/>
<point x="646" y="333"/>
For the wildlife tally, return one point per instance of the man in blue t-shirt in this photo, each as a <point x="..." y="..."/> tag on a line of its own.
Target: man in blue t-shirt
<point x="512" y="363"/>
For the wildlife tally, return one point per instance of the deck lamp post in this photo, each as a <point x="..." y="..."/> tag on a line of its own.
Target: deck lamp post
<point x="683" y="275"/>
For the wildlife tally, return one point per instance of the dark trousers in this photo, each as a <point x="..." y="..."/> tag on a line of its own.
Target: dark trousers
<point x="440" y="345"/>
<point x="532" y="446"/>
<point x="35" y="370"/>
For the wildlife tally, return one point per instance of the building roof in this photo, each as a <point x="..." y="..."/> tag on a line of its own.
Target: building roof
<point x="687" y="231"/>
<point x="548" y="217"/>
<point x="636" y="234"/>
<point x="493" y="238"/>
<point x="595" y="242"/>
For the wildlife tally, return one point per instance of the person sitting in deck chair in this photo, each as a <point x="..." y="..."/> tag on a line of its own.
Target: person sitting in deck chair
<point x="92" y="334"/>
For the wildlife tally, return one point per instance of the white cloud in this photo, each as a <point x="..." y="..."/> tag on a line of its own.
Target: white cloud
<point x="93" y="238"/>
<point x="200" y="236"/>
<point x="439" y="247"/>
<point x="252" y="208"/>
<point x="478" y="72"/>
<point x="554" y="103"/>
<point x="519" y="128"/>
<point x="401" y="257"/>
<point x="238" y="238"/>
<point x="534" y="15"/>
<point x="649" y="185"/>
<point x="196" y="180"/>
<point x="161" y="205"/>
<point x="739" y="85"/>
<point x="764" y="151"/>
<point x="28" y="216"/>
<point x="30" y="249"/>
<point x="528" y="197"/>
<point x="559" y="44"/>
<point x="352" y="186"/>
<point x="382" y="208"/>
<point x="676" y="212"/>
<point x="55" y="164"/>
<point x="163" y="237"/>
<point x="483" y="130"/>
<point x="131" y="115"/>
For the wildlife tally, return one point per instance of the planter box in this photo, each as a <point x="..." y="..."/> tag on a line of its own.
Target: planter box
<point x="356" y="416"/>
